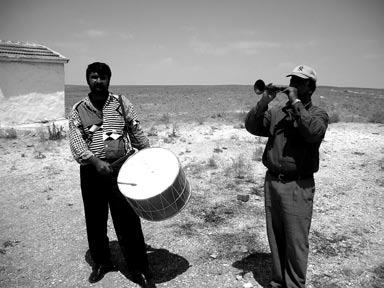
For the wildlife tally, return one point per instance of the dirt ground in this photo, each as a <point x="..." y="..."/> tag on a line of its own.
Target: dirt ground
<point x="219" y="239"/>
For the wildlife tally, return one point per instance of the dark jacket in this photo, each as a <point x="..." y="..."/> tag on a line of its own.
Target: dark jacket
<point x="294" y="136"/>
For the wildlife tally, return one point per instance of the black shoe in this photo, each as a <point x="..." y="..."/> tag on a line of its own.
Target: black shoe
<point x="99" y="270"/>
<point x="143" y="279"/>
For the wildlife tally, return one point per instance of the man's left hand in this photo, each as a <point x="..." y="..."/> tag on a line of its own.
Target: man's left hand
<point x="291" y="92"/>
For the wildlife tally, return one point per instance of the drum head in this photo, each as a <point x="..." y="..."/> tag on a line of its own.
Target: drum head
<point x="148" y="173"/>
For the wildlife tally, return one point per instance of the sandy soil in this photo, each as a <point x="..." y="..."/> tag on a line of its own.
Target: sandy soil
<point x="217" y="240"/>
<point x="29" y="108"/>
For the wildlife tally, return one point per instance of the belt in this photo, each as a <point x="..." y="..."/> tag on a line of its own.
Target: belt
<point x="290" y="177"/>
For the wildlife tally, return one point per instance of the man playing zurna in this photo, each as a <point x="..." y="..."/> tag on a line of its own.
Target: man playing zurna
<point x="295" y="132"/>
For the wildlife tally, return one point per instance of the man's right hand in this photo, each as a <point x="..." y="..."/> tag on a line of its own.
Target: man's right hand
<point x="268" y="96"/>
<point x="102" y="167"/>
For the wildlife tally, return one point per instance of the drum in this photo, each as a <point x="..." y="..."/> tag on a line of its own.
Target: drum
<point x="154" y="184"/>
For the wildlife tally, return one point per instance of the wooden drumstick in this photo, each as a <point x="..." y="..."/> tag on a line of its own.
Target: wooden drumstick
<point x="127" y="183"/>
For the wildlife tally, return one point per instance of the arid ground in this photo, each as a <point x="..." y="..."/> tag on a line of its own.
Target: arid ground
<point x="219" y="239"/>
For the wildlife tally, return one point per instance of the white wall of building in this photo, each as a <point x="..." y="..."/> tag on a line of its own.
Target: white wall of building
<point x="31" y="92"/>
<point x="20" y="78"/>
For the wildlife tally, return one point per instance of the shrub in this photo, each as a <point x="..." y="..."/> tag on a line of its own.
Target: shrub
<point x="261" y="140"/>
<point x="8" y="133"/>
<point x="334" y="118"/>
<point x="153" y="131"/>
<point x="240" y="168"/>
<point x="239" y="126"/>
<point x="218" y="115"/>
<point x="169" y="140"/>
<point x="380" y="182"/>
<point x="42" y="135"/>
<point x="258" y="153"/>
<point x="234" y="137"/>
<point x="381" y="164"/>
<point x="212" y="163"/>
<point x="377" y="117"/>
<point x="242" y="115"/>
<point x="56" y="132"/>
<point x="175" y="131"/>
<point x="165" y="118"/>
<point x="200" y="120"/>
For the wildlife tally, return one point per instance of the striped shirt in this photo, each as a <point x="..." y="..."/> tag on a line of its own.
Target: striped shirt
<point x="89" y="128"/>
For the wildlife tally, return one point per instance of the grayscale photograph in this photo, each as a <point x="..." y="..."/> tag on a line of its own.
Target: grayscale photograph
<point x="192" y="144"/>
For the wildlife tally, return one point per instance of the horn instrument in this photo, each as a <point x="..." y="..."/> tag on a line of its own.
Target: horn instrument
<point x="259" y="87"/>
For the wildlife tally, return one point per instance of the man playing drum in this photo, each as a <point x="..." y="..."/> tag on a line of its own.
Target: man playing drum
<point x="103" y="127"/>
<point x="291" y="156"/>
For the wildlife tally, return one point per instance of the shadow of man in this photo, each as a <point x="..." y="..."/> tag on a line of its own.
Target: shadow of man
<point x="259" y="264"/>
<point x="164" y="265"/>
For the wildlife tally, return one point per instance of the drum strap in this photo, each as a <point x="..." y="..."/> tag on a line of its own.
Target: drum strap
<point x="125" y="130"/>
<point x="126" y="127"/>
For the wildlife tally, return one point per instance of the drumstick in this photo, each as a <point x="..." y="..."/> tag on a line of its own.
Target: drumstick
<point x="121" y="160"/>
<point x="127" y="183"/>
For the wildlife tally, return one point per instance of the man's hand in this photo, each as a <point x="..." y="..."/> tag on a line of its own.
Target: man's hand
<point x="269" y="94"/>
<point x="291" y="92"/>
<point x="102" y="167"/>
<point x="267" y="97"/>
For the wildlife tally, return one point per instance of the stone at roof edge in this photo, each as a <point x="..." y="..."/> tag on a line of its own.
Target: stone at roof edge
<point x="34" y="59"/>
<point x="60" y="58"/>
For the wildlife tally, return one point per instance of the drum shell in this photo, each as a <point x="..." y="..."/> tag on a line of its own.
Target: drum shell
<point x="165" y="204"/>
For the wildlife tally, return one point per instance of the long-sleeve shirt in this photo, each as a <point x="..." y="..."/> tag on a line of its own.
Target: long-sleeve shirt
<point x="89" y="128"/>
<point x="294" y="136"/>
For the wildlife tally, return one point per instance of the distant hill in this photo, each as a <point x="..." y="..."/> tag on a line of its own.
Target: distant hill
<point x="198" y="102"/>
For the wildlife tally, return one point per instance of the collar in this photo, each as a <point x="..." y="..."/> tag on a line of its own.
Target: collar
<point x="290" y="111"/>
<point x="88" y="101"/>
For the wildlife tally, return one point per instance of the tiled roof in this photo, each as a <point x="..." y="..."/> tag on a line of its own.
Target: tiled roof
<point x="22" y="51"/>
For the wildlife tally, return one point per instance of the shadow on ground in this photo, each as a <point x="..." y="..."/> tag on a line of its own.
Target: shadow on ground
<point x="260" y="266"/>
<point x="164" y="265"/>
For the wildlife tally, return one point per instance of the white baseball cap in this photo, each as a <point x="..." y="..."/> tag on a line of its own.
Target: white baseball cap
<point x="304" y="72"/>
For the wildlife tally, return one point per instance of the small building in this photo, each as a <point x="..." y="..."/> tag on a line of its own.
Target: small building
<point x="32" y="83"/>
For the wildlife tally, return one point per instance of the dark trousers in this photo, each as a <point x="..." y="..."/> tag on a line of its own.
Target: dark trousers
<point x="98" y="193"/>
<point x="288" y="208"/>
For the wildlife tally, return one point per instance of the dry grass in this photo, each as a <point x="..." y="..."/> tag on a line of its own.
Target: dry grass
<point x="165" y="118"/>
<point x="212" y="162"/>
<point x="239" y="168"/>
<point x="9" y="133"/>
<point x="55" y="132"/>
<point x="166" y="104"/>
<point x="334" y="118"/>
<point x="153" y="131"/>
<point x="377" y="117"/>
<point x="216" y="237"/>
<point x="175" y="131"/>
<point x="52" y="132"/>
<point x="258" y="153"/>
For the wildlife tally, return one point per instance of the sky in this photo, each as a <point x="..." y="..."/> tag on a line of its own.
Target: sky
<point x="207" y="42"/>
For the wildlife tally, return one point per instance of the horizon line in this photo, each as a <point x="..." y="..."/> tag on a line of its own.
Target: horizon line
<point x="341" y="87"/>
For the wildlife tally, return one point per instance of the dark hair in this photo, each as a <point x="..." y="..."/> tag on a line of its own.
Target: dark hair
<point x="99" y="67"/>
<point x="312" y="84"/>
